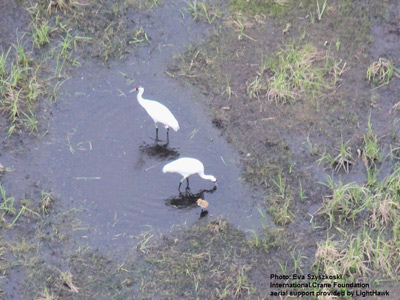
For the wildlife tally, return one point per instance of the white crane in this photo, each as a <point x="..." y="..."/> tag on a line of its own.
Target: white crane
<point x="158" y="112"/>
<point x="187" y="166"/>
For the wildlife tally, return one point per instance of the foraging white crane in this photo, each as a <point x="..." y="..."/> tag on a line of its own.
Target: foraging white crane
<point x="187" y="166"/>
<point x="158" y="112"/>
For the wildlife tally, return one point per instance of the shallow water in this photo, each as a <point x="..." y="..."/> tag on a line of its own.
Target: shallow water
<point x="100" y="154"/>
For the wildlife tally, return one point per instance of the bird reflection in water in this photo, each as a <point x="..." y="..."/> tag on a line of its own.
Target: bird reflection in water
<point x="156" y="151"/>
<point x="188" y="200"/>
<point x="159" y="151"/>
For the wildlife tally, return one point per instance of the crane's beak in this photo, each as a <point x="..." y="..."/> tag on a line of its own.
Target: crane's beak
<point x="134" y="90"/>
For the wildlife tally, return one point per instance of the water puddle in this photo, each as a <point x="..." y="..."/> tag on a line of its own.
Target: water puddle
<point x="100" y="153"/>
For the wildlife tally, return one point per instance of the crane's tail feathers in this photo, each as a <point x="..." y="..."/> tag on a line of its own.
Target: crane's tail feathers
<point x="175" y="127"/>
<point x="165" y="169"/>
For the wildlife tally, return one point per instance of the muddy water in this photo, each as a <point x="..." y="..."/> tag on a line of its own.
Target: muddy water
<point x="101" y="157"/>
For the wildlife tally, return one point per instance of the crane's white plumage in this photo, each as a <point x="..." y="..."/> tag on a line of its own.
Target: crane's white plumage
<point x="157" y="111"/>
<point x="187" y="166"/>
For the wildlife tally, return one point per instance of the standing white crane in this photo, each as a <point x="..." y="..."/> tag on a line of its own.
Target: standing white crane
<point x="187" y="166"/>
<point x="158" y="112"/>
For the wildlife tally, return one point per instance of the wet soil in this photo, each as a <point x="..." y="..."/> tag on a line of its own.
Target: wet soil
<point x="273" y="138"/>
<point x="97" y="155"/>
<point x="99" y="158"/>
<point x="13" y="21"/>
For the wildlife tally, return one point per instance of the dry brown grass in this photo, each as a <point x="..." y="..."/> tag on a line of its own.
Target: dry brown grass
<point x="381" y="71"/>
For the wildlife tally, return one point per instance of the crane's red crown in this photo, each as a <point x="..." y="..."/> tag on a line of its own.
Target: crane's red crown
<point x="137" y="88"/>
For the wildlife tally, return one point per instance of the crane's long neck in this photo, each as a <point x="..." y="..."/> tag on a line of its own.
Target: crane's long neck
<point x="140" y="98"/>
<point x="207" y="177"/>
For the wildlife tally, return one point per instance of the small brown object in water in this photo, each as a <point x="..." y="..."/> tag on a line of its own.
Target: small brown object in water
<point x="202" y="203"/>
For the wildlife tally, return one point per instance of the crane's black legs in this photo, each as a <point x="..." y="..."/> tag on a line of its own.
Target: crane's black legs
<point x="187" y="184"/>
<point x="156" y="133"/>
<point x="167" y="135"/>
<point x="180" y="183"/>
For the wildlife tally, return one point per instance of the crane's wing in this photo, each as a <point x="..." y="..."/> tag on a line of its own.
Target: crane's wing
<point x="161" y="114"/>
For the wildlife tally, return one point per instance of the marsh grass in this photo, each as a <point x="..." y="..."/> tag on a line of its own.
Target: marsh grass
<point x="140" y="36"/>
<point x="189" y="258"/>
<point x="335" y="258"/>
<point x="240" y="23"/>
<point x="371" y="150"/>
<point x="202" y="10"/>
<point x="376" y="200"/>
<point x="312" y="148"/>
<point x="321" y="9"/>
<point x="61" y="33"/>
<point x="107" y="32"/>
<point x="346" y="201"/>
<point x="280" y="201"/>
<point x="41" y="31"/>
<point x="302" y="196"/>
<point x="212" y="259"/>
<point x="60" y="5"/>
<point x="66" y="279"/>
<point x="209" y="260"/>
<point x="299" y="73"/>
<point x="380" y="72"/>
<point x="198" y="65"/>
<point x="46" y="295"/>
<point x="46" y="202"/>
<point x="20" y="88"/>
<point x="143" y="4"/>
<point x="279" y="209"/>
<point x="7" y="204"/>
<point x="274" y="8"/>
<point x="358" y="256"/>
<point x="374" y="209"/>
<point x="294" y="72"/>
<point x="342" y="161"/>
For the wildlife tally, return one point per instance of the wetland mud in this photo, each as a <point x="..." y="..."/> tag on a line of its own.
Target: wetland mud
<point x="273" y="97"/>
